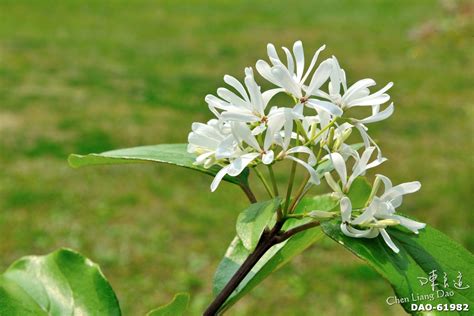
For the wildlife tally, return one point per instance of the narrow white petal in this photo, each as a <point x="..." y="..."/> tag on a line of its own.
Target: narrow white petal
<point x="269" y="94"/>
<point x="243" y="133"/>
<point x="368" y="101"/>
<point x="332" y="183"/>
<point x="361" y="84"/>
<point x="239" y="116"/>
<point x="340" y="167"/>
<point x="378" y="97"/>
<point x="313" y="175"/>
<point x="265" y="70"/>
<point x="239" y="164"/>
<point x="289" y="60"/>
<point x="401" y="189"/>
<point x="379" y="116"/>
<point x="285" y="80"/>
<point x="218" y="178"/>
<point x="386" y="181"/>
<point x="313" y="62"/>
<point x="255" y="94"/>
<point x="320" y="76"/>
<point x="232" y="98"/>
<point x="388" y="240"/>
<point x="304" y="150"/>
<point x="325" y="106"/>
<point x="346" y="209"/>
<point x="299" y="56"/>
<point x="410" y="224"/>
<point x="232" y="81"/>
<point x="360" y="166"/>
<point x="335" y="84"/>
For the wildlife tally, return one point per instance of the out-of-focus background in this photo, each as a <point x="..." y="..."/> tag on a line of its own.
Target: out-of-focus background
<point x="90" y="76"/>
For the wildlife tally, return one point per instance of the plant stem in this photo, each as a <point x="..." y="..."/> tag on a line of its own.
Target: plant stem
<point x="248" y="192"/>
<point x="265" y="243"/>
<point x="299" y="193"/>
<point x="265" y="183"/>
<point x="272" y="177"/>
<point x="268" y="240"/>
<point x="312" y="139"/>
<point x="290" y="188"/>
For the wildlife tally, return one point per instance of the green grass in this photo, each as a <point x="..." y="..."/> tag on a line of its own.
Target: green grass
<point x="82" y="76"/>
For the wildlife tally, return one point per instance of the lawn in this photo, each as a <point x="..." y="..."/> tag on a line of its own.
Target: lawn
<point x="89" y="76"/>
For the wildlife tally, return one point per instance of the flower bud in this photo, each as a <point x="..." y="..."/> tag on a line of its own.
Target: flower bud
<point x="321" y="214"/>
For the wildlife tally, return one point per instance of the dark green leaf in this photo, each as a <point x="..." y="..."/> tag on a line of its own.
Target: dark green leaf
<point x="419" y="255"/>
<point x="252" y="222"/>
<point x="275" y="258"/>
<point x="175" y="154"/>
<point x="61" y="283"/>
<point x="176" y="307"/>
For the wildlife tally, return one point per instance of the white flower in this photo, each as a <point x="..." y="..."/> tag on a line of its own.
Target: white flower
<point x="248" y="107"/>
<point x="287" y="152"/>
<point x="356" y="95"/>
<point x="250" y="150"/>
<point x="293" y="80"/>
<point x="211" y="142"/>
<point x="380" y="213"/>
<point x="361" y="165"/>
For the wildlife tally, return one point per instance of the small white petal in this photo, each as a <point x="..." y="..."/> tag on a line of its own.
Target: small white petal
<point x="340" y="167"/>
<point x="218" y="178"/>
<point x="380" y="116"/>
<point x="299" y="56"/>
<point x="232" y="81"/>
<point x="285" y="80"/>
<point x="325" y="106"/>
<point x="313" y="175"/>
<point x="346" y="209"/>
<point x="267" y="157"/>
<point x="388" y="240"/>
<point x="320" y="76"/>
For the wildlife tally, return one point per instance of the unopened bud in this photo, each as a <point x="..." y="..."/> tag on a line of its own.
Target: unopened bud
<point x="384" y="223"/>
<point x="330" y="138"/>
<point x="321" y="214"/>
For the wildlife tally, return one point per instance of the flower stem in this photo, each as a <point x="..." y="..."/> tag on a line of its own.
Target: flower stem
<point x="299" y="193"/>
<point x="248" y="192"/>
<point x="272" y="177"/>
<point x="267" y="241"/>
<point x="264" y="181"/>
<point x="312" y="139"/>
<point x="290" y="188"/>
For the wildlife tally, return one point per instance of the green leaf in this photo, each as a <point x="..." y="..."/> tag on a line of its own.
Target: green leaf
<point x="419" y="255"/>
<point x="176" y="307"/>
<point x="253" y="220"/>
<point x="61" y="283"/>
<point x="275" y="258"/>
<point x="175" y="154"/>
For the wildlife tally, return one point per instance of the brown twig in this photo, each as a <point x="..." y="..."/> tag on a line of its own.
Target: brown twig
<point x="268" y="240"/>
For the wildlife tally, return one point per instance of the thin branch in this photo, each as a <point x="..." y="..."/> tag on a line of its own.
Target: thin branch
<point x="248" y="192"/>
<point x="266" y="242"/>
<point x="264" y="181"/>
<point x="299" y="194"/>
<point x="272" y="177"/>
<point x="296" y="230"/>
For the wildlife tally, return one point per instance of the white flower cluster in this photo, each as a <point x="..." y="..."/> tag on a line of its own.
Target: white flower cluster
<point x="247" y="131"/>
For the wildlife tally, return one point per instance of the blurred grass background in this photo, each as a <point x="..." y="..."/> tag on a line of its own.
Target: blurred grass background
<point x="89" y="76"/>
